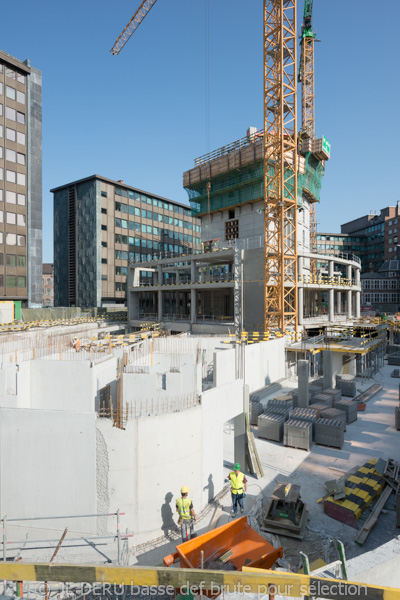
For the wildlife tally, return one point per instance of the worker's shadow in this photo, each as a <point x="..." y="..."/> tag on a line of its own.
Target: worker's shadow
<point x="167" y="516"/>
<point x="210" y="488"/>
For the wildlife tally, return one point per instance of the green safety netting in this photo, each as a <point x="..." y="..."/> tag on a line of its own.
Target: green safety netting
<point x="247" y="185"/>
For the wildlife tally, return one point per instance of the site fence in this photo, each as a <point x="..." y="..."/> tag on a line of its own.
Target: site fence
<point x="17" y="547"/>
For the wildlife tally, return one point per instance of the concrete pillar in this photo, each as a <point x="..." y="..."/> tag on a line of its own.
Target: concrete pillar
<point x="239" y="425"/>
<point x="331" y="295"/>
<point x="159" y="275"/>
<point x="329" y="375"/>
<point x="193" y="307"/>
<point x="300" y="298"/>
<point x="302" y="374"/>
<point x="338" y="302"/>
<point x="349" y="298"/>
<point x="193" y="271"/>
<point x="159" y="305"/>
<point x="358" y="302"/>
<point x="134" y="305"/>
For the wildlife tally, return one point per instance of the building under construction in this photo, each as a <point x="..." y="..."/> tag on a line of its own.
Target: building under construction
<point x="223" y="285"/>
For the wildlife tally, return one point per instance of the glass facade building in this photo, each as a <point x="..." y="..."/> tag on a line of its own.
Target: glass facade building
<point x="100" y="226"/>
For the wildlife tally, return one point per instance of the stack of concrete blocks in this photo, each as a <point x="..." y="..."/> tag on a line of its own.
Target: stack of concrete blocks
<point x="256" y="409"/>
<point x="309" y="415"/>
<point x="336" y="415"/>
<point x="323" y="399"/>
<point x="320" y="407"/>
<point x="394" y="359"/>
<point x="285" y="400"/>
<point x="347" y="385"/>
<point x="275" y="407"/>
<point x="350" y="409"/>
<point x="297" y="434"/>
<point x="329" y="432"/>
<point x="397" y="418"/>
<point x="336" y="394"/>
<point x="270" y="426"/>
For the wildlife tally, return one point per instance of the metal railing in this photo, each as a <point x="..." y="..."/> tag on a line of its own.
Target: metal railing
<point x="232" y="147"/>
<point x="202" y="278"/>
<point x="343" y="255"/>
<point x="327" y="280"/>
<point x="22" y="545"/>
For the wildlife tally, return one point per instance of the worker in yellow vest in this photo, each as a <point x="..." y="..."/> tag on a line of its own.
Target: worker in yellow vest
<point x="238" y="489"/>
<point x="185" y="510"/>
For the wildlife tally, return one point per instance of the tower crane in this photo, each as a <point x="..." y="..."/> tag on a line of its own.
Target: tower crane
<point x="306" y="77"/>
<point x="280" y="157"/>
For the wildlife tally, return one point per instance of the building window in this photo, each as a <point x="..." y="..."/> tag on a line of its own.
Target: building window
<point x="103" y="261"/>
<point x="11" y="281"/>
<point x="48" y="281"/>
<point x="21" y="220"/>
<point x="48" y="291"/>
<point x="10" y="93"/>
<point x="104" y="194"/>
<point x="11" y="155"/>
<point x="21" y="199"/>
<point x="10" y="113"/>
<point x="104" y="244"/>
<point x="11" y="218"/>
<point x="21" y="118"/>
<point x="20" y="97"/>
<point x="21" y="179"/>
<point x="21" y="240"/>
<point x="103" y="211"/>
<point x="21" y="281"/>
<point x="21" y="158"/>
<point x="11" y="176"/>
<point x="232" y="229"/>
<point x="104" y="227"/>
<point x="21" y="138"/>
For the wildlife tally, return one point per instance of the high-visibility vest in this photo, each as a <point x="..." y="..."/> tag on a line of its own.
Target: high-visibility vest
<point x="183" y="506"/>
<point x="237" y="482"/>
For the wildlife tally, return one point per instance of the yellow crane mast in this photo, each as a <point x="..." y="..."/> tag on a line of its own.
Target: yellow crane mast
<point x="280" y="157"/>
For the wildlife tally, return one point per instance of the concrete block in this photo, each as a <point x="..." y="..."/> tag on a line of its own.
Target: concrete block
<point x="329" y="432"/>
<point x="270" y="427"/>
<point x="297" y="434"/>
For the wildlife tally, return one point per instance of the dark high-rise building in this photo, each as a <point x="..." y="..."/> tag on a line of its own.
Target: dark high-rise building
<point x="100" y="226"/>
<point x="20" y="181"/>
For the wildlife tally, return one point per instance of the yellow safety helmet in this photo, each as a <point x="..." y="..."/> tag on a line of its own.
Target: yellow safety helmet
<point x="184" y="490"/>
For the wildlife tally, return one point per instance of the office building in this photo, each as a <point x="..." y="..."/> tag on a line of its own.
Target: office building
<point x="20" y="181"/>
<point x="100" y="226"/>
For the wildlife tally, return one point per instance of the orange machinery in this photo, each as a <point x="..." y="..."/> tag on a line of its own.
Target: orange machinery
<point x="228" y="547"/>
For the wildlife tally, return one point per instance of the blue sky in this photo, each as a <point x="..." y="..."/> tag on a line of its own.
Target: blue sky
<point x="141" y="116"/>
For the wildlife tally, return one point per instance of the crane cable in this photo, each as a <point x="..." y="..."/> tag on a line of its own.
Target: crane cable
<point x="207" y="70"/>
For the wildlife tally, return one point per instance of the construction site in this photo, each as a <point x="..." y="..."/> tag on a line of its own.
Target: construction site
<point x="236" y="430"/>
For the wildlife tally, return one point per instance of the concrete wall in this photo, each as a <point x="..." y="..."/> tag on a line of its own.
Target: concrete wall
<point x="224" y="366"/>
<point x="251" y="223"/>
<point x="348" y="368"/>
<point x="144" y="466"/>
<point x="219" y="406"/>
<point x="47" y="467"/>
<point x="253" y="276"/>
<point x="264" y="363"/>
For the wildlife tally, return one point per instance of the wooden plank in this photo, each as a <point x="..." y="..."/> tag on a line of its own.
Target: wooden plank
<point x="373" y="517"/>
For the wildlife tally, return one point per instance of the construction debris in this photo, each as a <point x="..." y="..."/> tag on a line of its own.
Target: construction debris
<point x="373" y="517"/>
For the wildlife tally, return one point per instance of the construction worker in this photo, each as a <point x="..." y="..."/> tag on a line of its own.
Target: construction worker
<point x="185" y="510"/>
<point x="238" y="489"/>
<point x="76" y="343"/>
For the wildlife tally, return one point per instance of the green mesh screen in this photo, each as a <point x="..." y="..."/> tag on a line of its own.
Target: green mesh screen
<point x="247" y="184"/>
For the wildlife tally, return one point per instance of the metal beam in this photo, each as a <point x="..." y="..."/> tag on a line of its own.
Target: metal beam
<point x="248" y="580"/>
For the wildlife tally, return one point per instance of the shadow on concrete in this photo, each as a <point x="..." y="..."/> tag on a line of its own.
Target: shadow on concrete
<point x="168" y="524"/>
<point x="210" y="488"/>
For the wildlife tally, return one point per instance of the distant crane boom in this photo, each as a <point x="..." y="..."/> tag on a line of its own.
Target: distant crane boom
<point x="133" y="24"/>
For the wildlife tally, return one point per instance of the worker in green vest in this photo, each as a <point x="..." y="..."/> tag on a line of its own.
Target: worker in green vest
<point x="185" y="510"/>
<point x="238" y="489"/>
